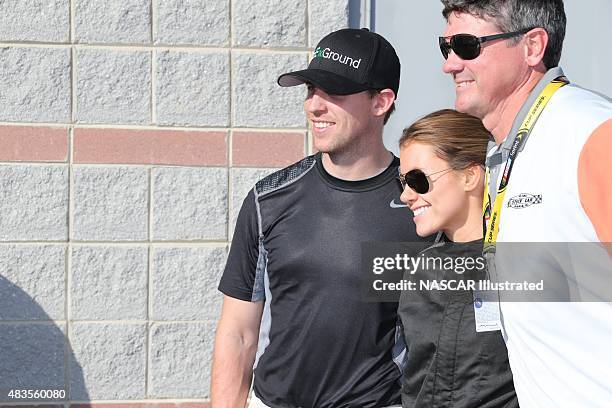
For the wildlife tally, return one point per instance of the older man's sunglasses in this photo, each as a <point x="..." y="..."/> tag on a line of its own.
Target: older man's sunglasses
<point x="468" y="46"/>
<point x="417" y="180"/>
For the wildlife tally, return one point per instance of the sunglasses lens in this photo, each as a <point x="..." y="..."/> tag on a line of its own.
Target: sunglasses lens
<point x="417" y="180"/>
<point x="444" y="47"/>
<point x="466" y="46"/>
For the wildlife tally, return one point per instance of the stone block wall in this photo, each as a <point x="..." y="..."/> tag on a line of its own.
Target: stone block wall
<point x="130" y="132"/>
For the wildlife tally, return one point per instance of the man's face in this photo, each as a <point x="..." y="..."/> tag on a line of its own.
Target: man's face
<point x="338" y="122"/>
<point x="484" y="85"/>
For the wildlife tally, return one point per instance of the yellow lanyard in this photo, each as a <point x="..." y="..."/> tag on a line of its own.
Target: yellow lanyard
<point x="491" y="217"/>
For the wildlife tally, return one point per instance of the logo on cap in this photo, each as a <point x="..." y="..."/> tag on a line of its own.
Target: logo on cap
<point x="327" y="53"/>
<point x="349" y="61"/>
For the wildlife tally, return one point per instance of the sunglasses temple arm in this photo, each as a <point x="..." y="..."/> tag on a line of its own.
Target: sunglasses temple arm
<point x="439" y="171"/>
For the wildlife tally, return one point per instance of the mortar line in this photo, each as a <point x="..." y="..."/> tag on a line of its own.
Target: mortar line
<point x="307" y="23"/>
<point x="153" y="88"/>
<point x="231" y="22"/>
<point x="230" y="136"/>
<point x="131" y="244"/>
<point x="230" y="184"/>
<point x="73" y="82"/>
<point x="153" y="30"/>
<point x="153" y="15"/>
<point x="72" y="21"/>
<point x="160" y="128"/>
<point x="68" y="312"/>
<point x="35" y="164"/>
<point x="151" y="401"/>
<point x="231" y="67"/>
<point x="144" y="165"/>
<point x="57" y="323"/>
<point x="160" y="46"/>
<point x="149" y="287"/>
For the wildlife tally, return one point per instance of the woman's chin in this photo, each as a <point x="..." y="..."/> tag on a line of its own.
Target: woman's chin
<point x="424" y="231"/>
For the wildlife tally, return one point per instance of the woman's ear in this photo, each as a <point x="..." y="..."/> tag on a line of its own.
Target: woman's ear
<point x="473" y="177"/>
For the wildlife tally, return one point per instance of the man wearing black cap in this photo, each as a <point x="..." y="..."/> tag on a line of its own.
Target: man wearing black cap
<point x="292" y="312"/>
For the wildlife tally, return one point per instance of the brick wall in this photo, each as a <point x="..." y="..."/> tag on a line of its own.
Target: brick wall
<point x="130" y="131"/>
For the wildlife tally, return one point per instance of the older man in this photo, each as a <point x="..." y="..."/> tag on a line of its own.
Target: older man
<point x="549" y="181"/>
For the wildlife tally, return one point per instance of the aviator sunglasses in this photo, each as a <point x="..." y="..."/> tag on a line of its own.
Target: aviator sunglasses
<point x="417" y="180"/>
<point x="467" y="46"/>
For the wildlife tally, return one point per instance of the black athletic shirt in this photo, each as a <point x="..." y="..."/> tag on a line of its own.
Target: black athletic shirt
<point x="297" y="245"/>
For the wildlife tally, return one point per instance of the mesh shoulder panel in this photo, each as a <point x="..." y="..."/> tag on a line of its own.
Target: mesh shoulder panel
<point x="285" y="176"/>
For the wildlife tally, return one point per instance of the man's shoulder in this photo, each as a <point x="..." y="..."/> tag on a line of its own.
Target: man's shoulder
<point x="575" y="101"/>
<point x="571" y="117"/>
<point x="284" y="177"/>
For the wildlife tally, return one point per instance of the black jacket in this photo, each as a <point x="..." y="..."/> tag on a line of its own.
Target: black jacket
<point x="447" y="363"/>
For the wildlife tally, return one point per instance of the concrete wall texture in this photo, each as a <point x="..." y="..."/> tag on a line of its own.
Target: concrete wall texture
<point x="130" y="131"/>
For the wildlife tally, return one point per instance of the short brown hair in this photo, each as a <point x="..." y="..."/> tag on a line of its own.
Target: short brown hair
<point x="456" y="137"/>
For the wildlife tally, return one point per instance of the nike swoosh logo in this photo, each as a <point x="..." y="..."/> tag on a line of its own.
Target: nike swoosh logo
<point x="393" y="204"/>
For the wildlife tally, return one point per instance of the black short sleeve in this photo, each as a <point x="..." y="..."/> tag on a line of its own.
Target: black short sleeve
<point x="238" y="280"/>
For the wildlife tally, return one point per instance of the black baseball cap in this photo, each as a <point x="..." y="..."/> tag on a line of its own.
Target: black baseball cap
<point x="348" y="61"/>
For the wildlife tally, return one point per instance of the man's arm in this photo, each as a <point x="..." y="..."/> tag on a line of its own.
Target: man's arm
<point x="595" y="183"/>
<point x="235" y="349"/>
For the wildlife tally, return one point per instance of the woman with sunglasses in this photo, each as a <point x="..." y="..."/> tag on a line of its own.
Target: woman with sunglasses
<point x="448" y="363"/>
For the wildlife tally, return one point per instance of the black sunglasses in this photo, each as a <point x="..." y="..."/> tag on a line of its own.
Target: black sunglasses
<point x="467" y="46"/>
<point x="417" y="180"/>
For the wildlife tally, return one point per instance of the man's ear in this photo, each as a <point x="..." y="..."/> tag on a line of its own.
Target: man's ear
<point x="473" y="177"/>
<point x="383" y="101"/>
<point x="536" y="41"/>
